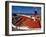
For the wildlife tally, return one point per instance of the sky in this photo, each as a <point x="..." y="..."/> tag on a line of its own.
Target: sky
<point x="25" y="9"/>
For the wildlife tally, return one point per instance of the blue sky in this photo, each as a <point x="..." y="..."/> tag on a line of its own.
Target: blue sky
<point x="25" y="9"/>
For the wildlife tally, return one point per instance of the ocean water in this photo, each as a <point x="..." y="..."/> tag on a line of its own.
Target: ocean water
<point x="29" y="14"/>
